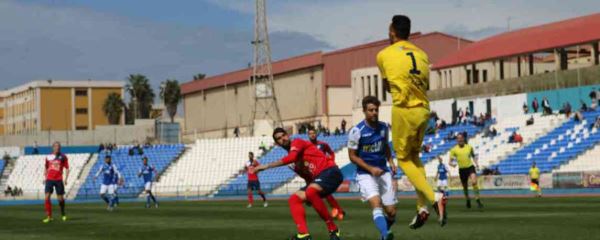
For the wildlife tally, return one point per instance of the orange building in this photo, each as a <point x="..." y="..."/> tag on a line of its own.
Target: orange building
<point x="55" y="106"/>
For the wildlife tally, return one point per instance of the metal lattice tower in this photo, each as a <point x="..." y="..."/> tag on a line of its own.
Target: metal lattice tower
<point x="261" y="81"/>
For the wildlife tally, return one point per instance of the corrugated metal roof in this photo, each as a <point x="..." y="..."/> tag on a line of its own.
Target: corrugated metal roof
<point x="279" y="67"/>
<point x="527" y="40"/>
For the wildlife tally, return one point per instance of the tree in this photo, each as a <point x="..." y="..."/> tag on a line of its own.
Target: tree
<point x="199" y="76"/>
<point x="170" y="93"/>
<point x="113" y="108"/>
<point x="141" y="94"/>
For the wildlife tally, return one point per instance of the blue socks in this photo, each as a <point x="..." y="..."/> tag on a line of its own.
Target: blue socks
<point x="380" y="221"/>
<point x="103" y="196"/>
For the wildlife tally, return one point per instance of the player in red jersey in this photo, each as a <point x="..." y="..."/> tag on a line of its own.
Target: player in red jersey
<point x="336" y="209"/>
<point x="253" y="182"/>
<point x="55" y="163"/>
<point x="326" y="178"/>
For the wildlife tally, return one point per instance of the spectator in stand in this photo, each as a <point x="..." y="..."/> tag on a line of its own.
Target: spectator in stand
<point x="566" y="109"/>
<point x="451" y="136"/>
<point x="596" y="124"/>
<point x="263" y="147"/>
<point x="461" y="115"/>
<point x="101" y="148"/>
<point x="584" y="107"/>
<point x="535" y="105"/>
<point x="515" y="138"/>
<point x="594" y="96"/>
<point x="236" y="132"/>
<point x="8" y="191"/>
<point x="426" y="148"/>
<point x="530" y="121"/>
<point x="343" y="126"/>
<point x="494" y="132"/>
<point x="337" y="132"/>
<point x="578" y="117"/>
<point x="525" y="108"/>
<point x="35" y="148"/>
<point x="546" y="106"/>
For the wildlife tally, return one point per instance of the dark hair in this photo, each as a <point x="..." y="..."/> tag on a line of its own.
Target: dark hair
<point x="251" y="153"/>
<point x="370" y="100"/>
<point x="401" y="26"/>
<point x="108" y="157"/>
<point x="311" y="129"/>
<point x="276" y="131"/>
<point x="144" y="158"/>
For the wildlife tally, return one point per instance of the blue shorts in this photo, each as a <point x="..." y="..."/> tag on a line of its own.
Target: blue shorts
<point x="254" y="185"/>
<point x="55" y="184"/>
<point x="329" y="180"/>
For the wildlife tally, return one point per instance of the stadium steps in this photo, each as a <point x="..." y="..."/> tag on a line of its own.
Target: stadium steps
<point x="341" y="159"/>
<point x="82" y="176"/>
<point x="587" y="161"/>
<point x="275" y="178"/>
<point x="238" y="173"/>
<point x="8" y="168"/>
<point x="492" y="150"/>
<point x="564" y="143"/>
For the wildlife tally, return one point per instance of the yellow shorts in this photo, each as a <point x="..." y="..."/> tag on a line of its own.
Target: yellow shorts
<point x="408" y="130"/>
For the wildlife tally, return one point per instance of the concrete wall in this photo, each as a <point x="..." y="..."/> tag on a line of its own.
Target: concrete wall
<point x="216" y="112"/>
<point x="126" y="134"/>
<point x="339" y="101"/>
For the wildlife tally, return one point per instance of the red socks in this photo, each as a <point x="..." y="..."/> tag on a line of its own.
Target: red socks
<point x="250" y="198"/>
<point x="333" y="203"/>
<point x="312" y="195"/>
<point x="298" y="213"/>
<point x="48" y="207"/>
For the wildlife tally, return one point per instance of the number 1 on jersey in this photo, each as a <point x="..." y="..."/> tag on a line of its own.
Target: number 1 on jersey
<point x="414" y="70"/>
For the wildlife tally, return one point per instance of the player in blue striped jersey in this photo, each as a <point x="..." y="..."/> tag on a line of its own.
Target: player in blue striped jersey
<point x="109" y="171"/>
<point x="148" y="172"/>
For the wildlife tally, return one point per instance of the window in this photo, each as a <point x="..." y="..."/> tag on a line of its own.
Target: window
<point x="235" y="90"/>
<point x="81" y="92"/>
<point x="369" y="93"/>
<point x="468" y="76"/>
<point x="450" y="81"/>
<point x="475" y="76"/>
<point x="81" y="110"/>
<point x="81" y="128"/>
<point x="484" y="75"/>
<point x="376" y="86"/>
<point x="362" y="80"/>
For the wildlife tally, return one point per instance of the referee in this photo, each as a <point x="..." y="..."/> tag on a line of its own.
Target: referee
<point x="467" y="164"/>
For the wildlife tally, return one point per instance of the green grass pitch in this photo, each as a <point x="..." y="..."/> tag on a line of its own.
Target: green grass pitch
<point x="512" y="219"/>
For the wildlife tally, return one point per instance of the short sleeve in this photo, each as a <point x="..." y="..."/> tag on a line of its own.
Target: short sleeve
<point x="353" y="138"/>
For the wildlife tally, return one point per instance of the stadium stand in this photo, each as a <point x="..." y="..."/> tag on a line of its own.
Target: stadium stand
<point x="589" y="161"/>
<point x="438" y="143"/>
<point x="43" y="150"/>
<point x="557" y="147"/>
<point x="28" y="173"/>
<point x="273" y="178"/>
<point x="159" y="156"/>
<point x="341" y="159"/>
<point x="11" y="151"/>
<point x="209" y="163"/>
<point x="490" y="150"/>
<point x="2" y="163"/>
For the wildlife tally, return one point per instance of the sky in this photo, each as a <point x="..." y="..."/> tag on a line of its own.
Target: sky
<point x="110" y="39"/>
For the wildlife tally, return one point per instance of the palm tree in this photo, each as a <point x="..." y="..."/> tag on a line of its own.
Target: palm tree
<point x="113" y="108"/>
<point x="141" y="93"/>
<point x="199" y="76"/>
<point x="171" y="95"/>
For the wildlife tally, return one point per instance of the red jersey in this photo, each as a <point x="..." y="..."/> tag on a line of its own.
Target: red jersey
<point x="306" y="155"/>
<point x="325" y="148"/>
<point x="55" y="163"/>
<point x="252" y="176"/>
